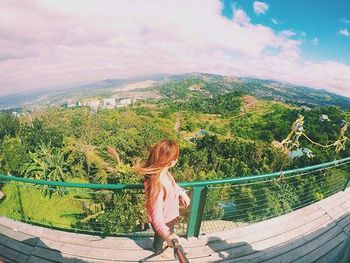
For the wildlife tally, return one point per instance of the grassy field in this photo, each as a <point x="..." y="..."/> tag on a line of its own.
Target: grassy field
<point x="27" y="201"/>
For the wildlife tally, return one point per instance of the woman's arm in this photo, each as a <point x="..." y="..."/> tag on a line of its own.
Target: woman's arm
<point x="180" y="190"/>
<point x="183" y="197"/>
<point x="157" y="218"/>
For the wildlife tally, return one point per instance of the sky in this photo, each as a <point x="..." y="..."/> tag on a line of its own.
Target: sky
<point x="53" y="43"/>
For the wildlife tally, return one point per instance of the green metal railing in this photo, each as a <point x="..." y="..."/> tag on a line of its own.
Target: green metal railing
<point x="215" y="205"/>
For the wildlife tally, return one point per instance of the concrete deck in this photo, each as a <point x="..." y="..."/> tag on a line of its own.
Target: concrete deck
<point x="316" y="233"/>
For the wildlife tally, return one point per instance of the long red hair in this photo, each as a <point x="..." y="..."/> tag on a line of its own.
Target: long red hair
<point x="161" y="156"/>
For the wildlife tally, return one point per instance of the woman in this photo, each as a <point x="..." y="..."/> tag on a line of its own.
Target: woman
<point x="162" y="192"/>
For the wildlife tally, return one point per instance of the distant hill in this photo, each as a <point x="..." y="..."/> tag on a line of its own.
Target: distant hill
<point x="42" y="97"/>
<point x="180" y="86"/>
<point x="59" y="96"/>
<point x="263" y="89"/>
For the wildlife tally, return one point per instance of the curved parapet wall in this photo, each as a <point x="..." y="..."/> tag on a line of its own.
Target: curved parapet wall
<point x="319" y="232"/>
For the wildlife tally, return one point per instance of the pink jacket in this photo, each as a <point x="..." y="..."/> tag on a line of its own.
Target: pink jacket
<point x="165" y="209"/>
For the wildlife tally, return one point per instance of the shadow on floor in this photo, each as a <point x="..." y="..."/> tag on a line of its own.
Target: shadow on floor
<point x="329" y="244"/>
<point x="229" y="250"/>
<point x="32" y="250"/>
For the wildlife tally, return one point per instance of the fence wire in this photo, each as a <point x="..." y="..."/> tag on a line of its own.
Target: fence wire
<point x="233" y="205"/>
<point x="122" y="212"/>
<point x="102" y="212"/>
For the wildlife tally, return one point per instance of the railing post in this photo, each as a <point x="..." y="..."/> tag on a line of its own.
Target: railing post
<point x="347" y="184"/>
<point x="199" y="196"/>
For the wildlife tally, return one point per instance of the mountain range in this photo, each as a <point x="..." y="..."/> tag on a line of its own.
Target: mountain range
<point x="178" y="85"/>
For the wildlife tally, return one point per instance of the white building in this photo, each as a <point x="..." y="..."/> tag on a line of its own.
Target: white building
<point x="109" y="103"/>
<point x="71" y="103"/>
<point x="124" y="102"/>
<point x="93" y="104"/>
<point x="306" y="108"/>
<point x="16" y="114"/>
<point x="324" y="117"/>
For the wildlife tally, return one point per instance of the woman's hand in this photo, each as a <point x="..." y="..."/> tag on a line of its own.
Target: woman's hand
<point x="170" y="238"/>
<point x="185" y="200"/>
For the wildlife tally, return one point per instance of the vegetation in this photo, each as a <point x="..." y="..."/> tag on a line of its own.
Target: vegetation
<point x="29" y="204"/>
<point x="220" y="136"/>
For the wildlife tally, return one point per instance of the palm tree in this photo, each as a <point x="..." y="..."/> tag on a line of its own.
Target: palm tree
<point x="48" y="163"/>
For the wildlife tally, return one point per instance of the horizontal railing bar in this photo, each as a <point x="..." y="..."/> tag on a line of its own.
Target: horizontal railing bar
<point x="235" y="180"/>
<point x="263" y="176"/>
<point x="311" y="173"/>
<point x="72" y="185"/>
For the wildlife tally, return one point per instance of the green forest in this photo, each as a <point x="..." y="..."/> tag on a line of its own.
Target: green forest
<point x="222" y="134"/>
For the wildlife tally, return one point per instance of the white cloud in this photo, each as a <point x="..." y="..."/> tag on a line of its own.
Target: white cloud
<point x="287" y="33"/>
<point x="260" y="7"/>
<point x="274" y="20"/>
<point x="344" y="20"/>
<point x="315" y="41"/>
<point x="65" y="41"/>
<point x="240" y="17"/>
<point x="344" y="32"/>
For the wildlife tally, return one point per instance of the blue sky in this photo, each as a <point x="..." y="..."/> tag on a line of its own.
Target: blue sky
<point x="310" y="20"/>
<point x="65" y="42"/>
